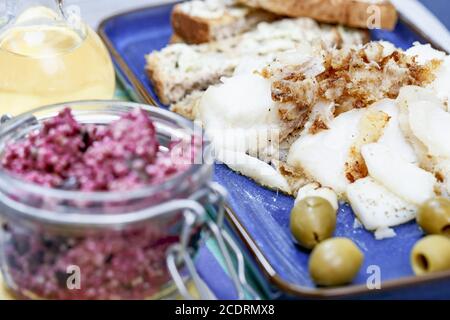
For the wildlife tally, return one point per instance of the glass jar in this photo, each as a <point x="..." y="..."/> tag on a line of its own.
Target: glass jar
<point x="48" y="55"/>
<point x="61" y="244"/>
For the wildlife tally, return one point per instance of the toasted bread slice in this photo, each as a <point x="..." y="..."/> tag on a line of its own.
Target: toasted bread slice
<point x="180" y="69"/>
<point x="353" y="13"/>
<point x="204" y="21"/>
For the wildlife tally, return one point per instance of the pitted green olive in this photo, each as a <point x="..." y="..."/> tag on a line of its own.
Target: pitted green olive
<point x="431" y="254"/>
<point x="313" y="220"/>
<point x="335" y="262"/>
<point x="434" y="216"/>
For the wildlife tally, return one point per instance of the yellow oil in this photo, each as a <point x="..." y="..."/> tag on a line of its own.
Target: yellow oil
<point x="46" y="64"/>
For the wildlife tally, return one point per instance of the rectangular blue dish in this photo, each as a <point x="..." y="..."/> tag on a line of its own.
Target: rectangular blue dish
<point x="261" y="216"/>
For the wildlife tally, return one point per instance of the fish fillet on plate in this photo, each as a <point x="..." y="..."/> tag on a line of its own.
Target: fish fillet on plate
<point x="369" y="124"/>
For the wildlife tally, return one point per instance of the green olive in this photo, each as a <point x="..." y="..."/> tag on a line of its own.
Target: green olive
<point x="335" y="262"/>
<point x="431" y="254"/>
<point x="434" y="216"/>
<point x="313" y="220"/>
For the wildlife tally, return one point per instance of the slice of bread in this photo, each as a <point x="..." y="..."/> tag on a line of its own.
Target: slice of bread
<point x="205" y="21"/>
<point x="188" y="106"/>
<point x="353" y="13"/>
<point x="180" y="69"/>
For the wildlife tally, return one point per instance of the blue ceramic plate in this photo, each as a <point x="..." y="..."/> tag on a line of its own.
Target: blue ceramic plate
<point x="262" y="216"/>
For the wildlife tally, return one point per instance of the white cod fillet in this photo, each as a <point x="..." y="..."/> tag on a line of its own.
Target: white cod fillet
<point x="376" y="207"/>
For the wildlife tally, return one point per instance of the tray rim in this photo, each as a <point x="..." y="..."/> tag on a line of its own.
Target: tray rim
<point x="270" y="273"/>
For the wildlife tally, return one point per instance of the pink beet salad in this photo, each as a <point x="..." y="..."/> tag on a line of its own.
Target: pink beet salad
<point x="64" y="154"/>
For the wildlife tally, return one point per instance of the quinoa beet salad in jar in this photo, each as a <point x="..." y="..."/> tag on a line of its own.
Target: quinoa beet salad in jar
<point x="93" y="196"/>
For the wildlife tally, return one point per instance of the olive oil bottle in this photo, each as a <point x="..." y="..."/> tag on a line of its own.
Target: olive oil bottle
<point x="44" y="61"/>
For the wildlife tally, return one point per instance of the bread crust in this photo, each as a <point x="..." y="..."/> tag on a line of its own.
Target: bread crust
<point x="353" y="13"/>
<point x="152" y="71"/>
<point x="191" y="29"/>
<point x="197" y="30"/>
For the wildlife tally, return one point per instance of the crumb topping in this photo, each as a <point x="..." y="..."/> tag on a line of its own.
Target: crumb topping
<point x="352" y="78"/>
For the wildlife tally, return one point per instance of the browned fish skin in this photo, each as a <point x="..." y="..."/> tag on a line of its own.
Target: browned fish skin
<point x="353" y="78"/>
